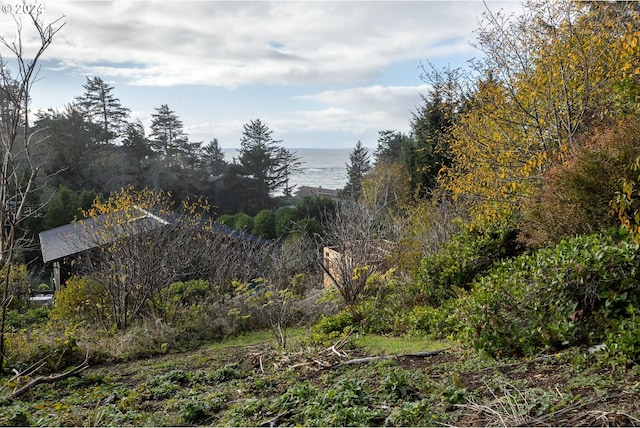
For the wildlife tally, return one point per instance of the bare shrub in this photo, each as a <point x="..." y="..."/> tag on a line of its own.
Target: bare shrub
<point x="357" y="246"/>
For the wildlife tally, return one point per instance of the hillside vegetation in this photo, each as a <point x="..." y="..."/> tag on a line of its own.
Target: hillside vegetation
<point x="503" y="234"/>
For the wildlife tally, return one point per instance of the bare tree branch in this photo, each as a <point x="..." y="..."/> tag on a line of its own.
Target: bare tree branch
<point x="18" y="171"/>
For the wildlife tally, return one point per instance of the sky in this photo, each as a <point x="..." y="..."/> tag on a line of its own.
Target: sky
<point x="319" y="74"/>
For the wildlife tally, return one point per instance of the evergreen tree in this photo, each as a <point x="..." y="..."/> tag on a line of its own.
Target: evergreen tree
<point x="103" y="108"/>
<point x="167" y="136"/>
<point x="289" y="164"/>
<point x="70" y="152"/>
<point x="139" y="153"/>
<point x="431" y="126"/>
<point x="391" y="146"/>
<point x="262" y="160"/>
<point x="212" y="158"/>
<point x="359" y="164"/>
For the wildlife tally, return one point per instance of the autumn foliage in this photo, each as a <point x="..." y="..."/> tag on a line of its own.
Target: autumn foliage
<point x="576" y="195"/>
<point x="550" y="77"/>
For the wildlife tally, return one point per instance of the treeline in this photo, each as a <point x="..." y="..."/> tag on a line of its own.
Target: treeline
<point x="94" y="145"/>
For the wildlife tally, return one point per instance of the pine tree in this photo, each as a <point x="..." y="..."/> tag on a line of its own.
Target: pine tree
<point x="391" y="146"/>
<point x="359" y="164"/>
<point x="139" y="153"/>
<point x="262" y="158"/>
<point x="167" y="135"/>
<point x="212" y="158"/>
<point x="103" y="108"/>
<point x="431" y="125"/>
<point x="289" y="163"/>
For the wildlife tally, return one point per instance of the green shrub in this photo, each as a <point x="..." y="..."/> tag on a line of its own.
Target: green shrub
<point x="184" y="294"/>
<point x="56" y="348"/>
<point x="320" y="209"/>
<point x="335" y="323"/>
<point x="227" y="219"/>
<point x="25" y="318"/>
<point x="623" y="339"/>
<point x="466" y="255"/>
<point x="243" y="222"/>
<point x="285" y="220"/>
<point x="307" y="227"/>
<point x="331" y="330"/>
<point x="568" y="295"/>
<point x="441" y="322"/>
<point x="264" y="224"/>
<point x="82" y="300"/>
<point x="19" y="285"/>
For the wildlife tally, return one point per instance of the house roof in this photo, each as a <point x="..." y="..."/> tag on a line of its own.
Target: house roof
<point x="317" y="192"/>
<point x="81" y="235"/>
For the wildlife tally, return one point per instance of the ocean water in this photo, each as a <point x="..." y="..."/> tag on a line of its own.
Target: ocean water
<point x="326" y="168"/>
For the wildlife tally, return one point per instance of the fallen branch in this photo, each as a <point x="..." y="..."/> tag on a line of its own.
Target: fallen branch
<point x="424" y="353"/>
<point x="273" y="421"/>
<point x="49" y="379"/>
<point x="26" y="372"/>
<point x="367" y="360"/>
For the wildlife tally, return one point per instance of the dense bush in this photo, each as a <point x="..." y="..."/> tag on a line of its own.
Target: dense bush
<point x="82" y="300"/>
<point x="54" y="345"/>
<point x="285" y="220"/>
<point x="307" y="217"/>
<point x="572" y="294"/>
<point x="320" y="209"/>
<point x="227" y="219"/>
<point x="243" y="222"/>
<point x="264" y="224"/>
<point x="468" y="254"/>
<point x="575" y="196"/>
<point x="66" y="206"/>
<point x="30" y="317"/>
<point x="19" y="285"/>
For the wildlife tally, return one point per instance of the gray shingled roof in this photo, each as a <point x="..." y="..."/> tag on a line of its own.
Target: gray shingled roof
<point x="80" y="236"/>
<point x="62" y="241"/>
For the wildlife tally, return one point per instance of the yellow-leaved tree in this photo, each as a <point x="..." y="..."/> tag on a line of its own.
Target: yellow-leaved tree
<point x="142" y="241"/>
<point x="550" y="75"/>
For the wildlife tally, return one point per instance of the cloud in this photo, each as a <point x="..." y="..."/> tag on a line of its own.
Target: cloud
<point x="357" y="113"/>
<point x="228" y="44"/>
<point x="372" y="106"/>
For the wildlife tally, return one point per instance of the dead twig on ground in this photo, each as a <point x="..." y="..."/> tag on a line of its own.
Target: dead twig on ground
<point x="19" y="391"/>
<point x="367" y="360"/>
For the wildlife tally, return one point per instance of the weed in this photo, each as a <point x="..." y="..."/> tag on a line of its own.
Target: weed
<point x="296" y="395"/>
<point x="164" y="390"/>
<point x="247" y="412"/>
<point x="193" y="412"/>
<point x="225" y="374"/>
<point x="399" y="384"/>
<point x="414" y="414"/>
<point x="16" y="415"/>
<point x="455" y="395"/>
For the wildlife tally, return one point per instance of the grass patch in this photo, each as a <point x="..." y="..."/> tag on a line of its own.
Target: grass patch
<point x="375" y="344"/>
<point x="258" y="337"/>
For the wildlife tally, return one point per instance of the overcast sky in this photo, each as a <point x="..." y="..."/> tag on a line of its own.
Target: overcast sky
<point x="319" y="74"/>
